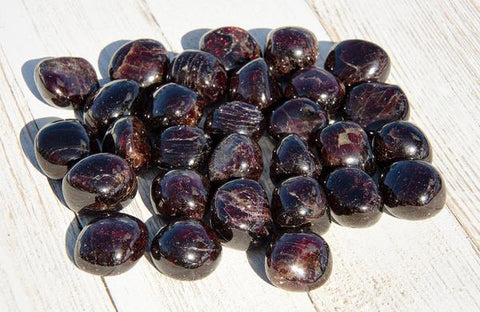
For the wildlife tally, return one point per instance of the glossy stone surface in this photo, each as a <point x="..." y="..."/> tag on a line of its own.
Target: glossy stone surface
<point x="201" y="72"/>
<point x="345" y="144"/>
<point x="300" y="202"/>
<point x="186" y="250"/>
<point x="236" y="156"/>
<point x="144" y="61"/>
<point x="65" y="81"/>
<point x="99" y="182"/>
<point x="299" y="116"/>
<point x="128" y="138"/>
<point x="180" y="193"/>
<point x="240" y="214"/>
<point x="181" y="147"/>
<point x="318" y="85"/>
<point x="401" y="140"/>
<point x="233" y="46"/>
<point x="372" y="105"/>
<point x="356" y="61"/>
<point x="235" y="117"/>
<point x="111" y="245"/>
<point x="252" y="84"/>
<point x="353" y="198"/>
<point x="59" y="145"/>
<point x="413" y="190"/>
<point x="298" y="261"/>
<point x="291" y="157"/>
<point x="113" y="100"/>
<point x="289" y="49"/>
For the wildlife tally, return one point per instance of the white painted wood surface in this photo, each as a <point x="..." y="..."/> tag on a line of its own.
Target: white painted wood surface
<point x="396" y="265"/>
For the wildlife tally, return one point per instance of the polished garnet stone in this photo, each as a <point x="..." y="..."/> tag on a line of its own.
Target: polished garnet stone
<point x="318" y="85"/>
<point x="128" y="138"/>
<point x="186" y="250"/>
<point x="181" y="147"/>
<point x="113" y="100"/>
<point x="298" y="261"/>
<point x="353" y="198"/>
<point x="356" y="61"/>
<point x="100" y="182"/>
<point x="236" y="156"/>
<point x="413" y="190"/>
<point x="372" y="105"/>
<point x="59" y="145"/>
<point x="180" y="193"/>
<point x="143" y="60"/>
<point x="252" y="84"/>
<point x="291" y="157"/>
<point x="111" y="245"/>
<point x="201" y="72"/>
<point x="233" y="46"/>
<point x="235" y="117"/>
<point x="240" y="214"/>
<point x="66" y="81"/>
<point x="300" y="202"/>
<point x="345" y="144"/>
<point x="289" y="49"/>
<point x="299" y="116"/>
<point x="400" y="140"/>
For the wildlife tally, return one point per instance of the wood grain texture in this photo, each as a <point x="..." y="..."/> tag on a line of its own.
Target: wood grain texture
<point x="396" y="265"/>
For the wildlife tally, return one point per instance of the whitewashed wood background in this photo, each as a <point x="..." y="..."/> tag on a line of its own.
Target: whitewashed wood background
<point x="394" y="266"/>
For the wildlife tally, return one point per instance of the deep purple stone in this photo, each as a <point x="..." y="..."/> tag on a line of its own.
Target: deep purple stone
<point x="65" y="81"/>
<point x="144" y="61"/>
<point x="356" y="61"/>
<point x="236" y="156"/>
<point x="186" y="250"/>
<point x="298" y="261"/>
<point x="240" y="214"/>
<point x="111" y="245"/>
<point x="201" y="72"/>
<point x="233" y="46"/>
<point x="59" y="145"/>
<point x="413" y="190"/>
<point x="99" y="182"/>
<point x="128" y="138"/>
<point x="180" y="193"/>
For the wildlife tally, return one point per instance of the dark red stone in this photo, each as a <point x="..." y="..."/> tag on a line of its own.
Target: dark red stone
<point x="235" y="117"/>
<point x="99" y="182"/>
<point x="252" y="84"/>
<point x="318" y="85"/>
<point x="180" y="193"/>
<point x="345" y="144"/>
<point x="299" y="116"/>
<point x="353" y="198"/>
<point x="356" y="61"/>
<point x="202" y="72"/>
<point x="413" y="190"/>
<point x="144" y="61"/>
<point x="59" y="145"/>
<point x="289" y="49"/>
<point x="300" y="202"/>
<point x="236" y="156"/>
<point x="373" y="105"/>
<point x="233" y="46"/>
<point x="66" y="81"/>
<point x="181" y="147"/>
<point x="111" y="245"/>
<point x="240" y="214"/>
<point x="186" y="250"/>
<point x="128" y="138"/>
<point x="298" y="261"/>
<point x="291" y="157"/>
